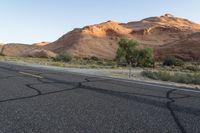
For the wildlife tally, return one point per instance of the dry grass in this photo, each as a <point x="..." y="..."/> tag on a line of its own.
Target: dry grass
<point x="188" y="74"/>
<point x="178" y="77"/>
<point x="75" y="63"/>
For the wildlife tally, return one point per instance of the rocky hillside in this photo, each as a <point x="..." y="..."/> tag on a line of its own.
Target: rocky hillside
<point x="97" y="40"/>
<point x="167" y="35"/>
<point x="40" y="44"/>
<point x="25" y="50"/>
<point x="186" y="49"/>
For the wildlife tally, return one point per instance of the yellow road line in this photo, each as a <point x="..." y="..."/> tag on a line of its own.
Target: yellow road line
<point x="30" y="74"/>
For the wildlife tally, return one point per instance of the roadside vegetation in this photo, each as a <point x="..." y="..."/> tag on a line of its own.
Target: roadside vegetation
<point x="64" y="57"/>
<point x="172" y="61"/>
<point x="58" y="61"/>
<point x="187" y="78"/>
<point x="130" y="56"/>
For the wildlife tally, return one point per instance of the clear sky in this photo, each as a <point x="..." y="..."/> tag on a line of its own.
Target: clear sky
<point x="30" y="21"/>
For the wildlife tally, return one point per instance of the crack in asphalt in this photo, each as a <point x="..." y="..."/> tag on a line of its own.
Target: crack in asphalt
<point x="178" y="123"/>
<point x="136" y="97"/>
<point x="38" y="93"/>
<point x="81" y="85"/>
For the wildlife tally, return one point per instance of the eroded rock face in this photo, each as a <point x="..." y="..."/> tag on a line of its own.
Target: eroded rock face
<point x="15" y="49"/>
<point x="167" y="35"/>
<point x="1" y="46"/>
<point x="40" y="44"/>
<point x="40" y="53"/>
<point x="169" y="15"/>
<point x="25" y="50"/>
<point x="187" y="49"/>
<point x="101" y="40"/>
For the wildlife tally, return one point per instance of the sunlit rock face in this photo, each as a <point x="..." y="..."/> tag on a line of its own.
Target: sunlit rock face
<point x="41" y="43"/>
<point x="167" y="35"/>
<point x="161" y="33"/>
<point x="25" y="50"/>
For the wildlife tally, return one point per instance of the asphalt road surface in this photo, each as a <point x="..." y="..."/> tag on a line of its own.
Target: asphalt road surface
<point x="38" y="100"/>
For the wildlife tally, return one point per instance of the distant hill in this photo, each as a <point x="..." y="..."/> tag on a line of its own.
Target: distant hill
<point x="25" y="50"/>
<point x="167" y="35"/>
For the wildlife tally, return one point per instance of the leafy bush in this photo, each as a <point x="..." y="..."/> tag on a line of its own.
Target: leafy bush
<point x="161" y="75"/>
<point x="196" y="79"/>
<point x="127" y="51"/>
<point x="145" y="58"/>
<point x="181" y="78"/>
<point x="94" y="58"/>
<point x="150" y="74"/>
<point x="129" y="54"/>
<point x="172" y="61"/>
<point x="121" y="61"/>
<point x="65" y="57"/>
<point x="176" y="77"/>
<point x="186" y="78"/>
<point x="193" y="68"/>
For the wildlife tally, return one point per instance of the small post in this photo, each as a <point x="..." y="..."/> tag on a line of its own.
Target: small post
<point x="129" y="70"/>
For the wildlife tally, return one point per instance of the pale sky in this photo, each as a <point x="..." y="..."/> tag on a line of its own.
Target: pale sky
<point x="30" y="21"/>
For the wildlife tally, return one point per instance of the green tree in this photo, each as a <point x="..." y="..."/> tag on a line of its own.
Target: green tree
<point x="127" y="52"/>
<point x="145" y="58"/>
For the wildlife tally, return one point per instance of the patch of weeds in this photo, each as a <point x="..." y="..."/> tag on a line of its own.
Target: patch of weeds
<point x="187" y="78"/>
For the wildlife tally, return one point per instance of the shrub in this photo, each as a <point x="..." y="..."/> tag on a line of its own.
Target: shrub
<point x="129" y="54"/>
<point x="176" y="77"/>
<point x="65" y="57"/>
<point x="121" y="61"/>
<point x="94" y="58"/>
<point x="182" y="78"/>
<point x="150" y="74"/>
<point x="127" y="51"/>
<point x="100" y="62"/>
<point x="193" y="68"/>
<point x="196" y="79"/>
<point x="172" y="61"/>
<point x="145" y="58"/>
<point x="161" y="75"/>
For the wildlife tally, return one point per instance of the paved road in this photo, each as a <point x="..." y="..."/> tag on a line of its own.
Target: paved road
<point x="37" y="100"/>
